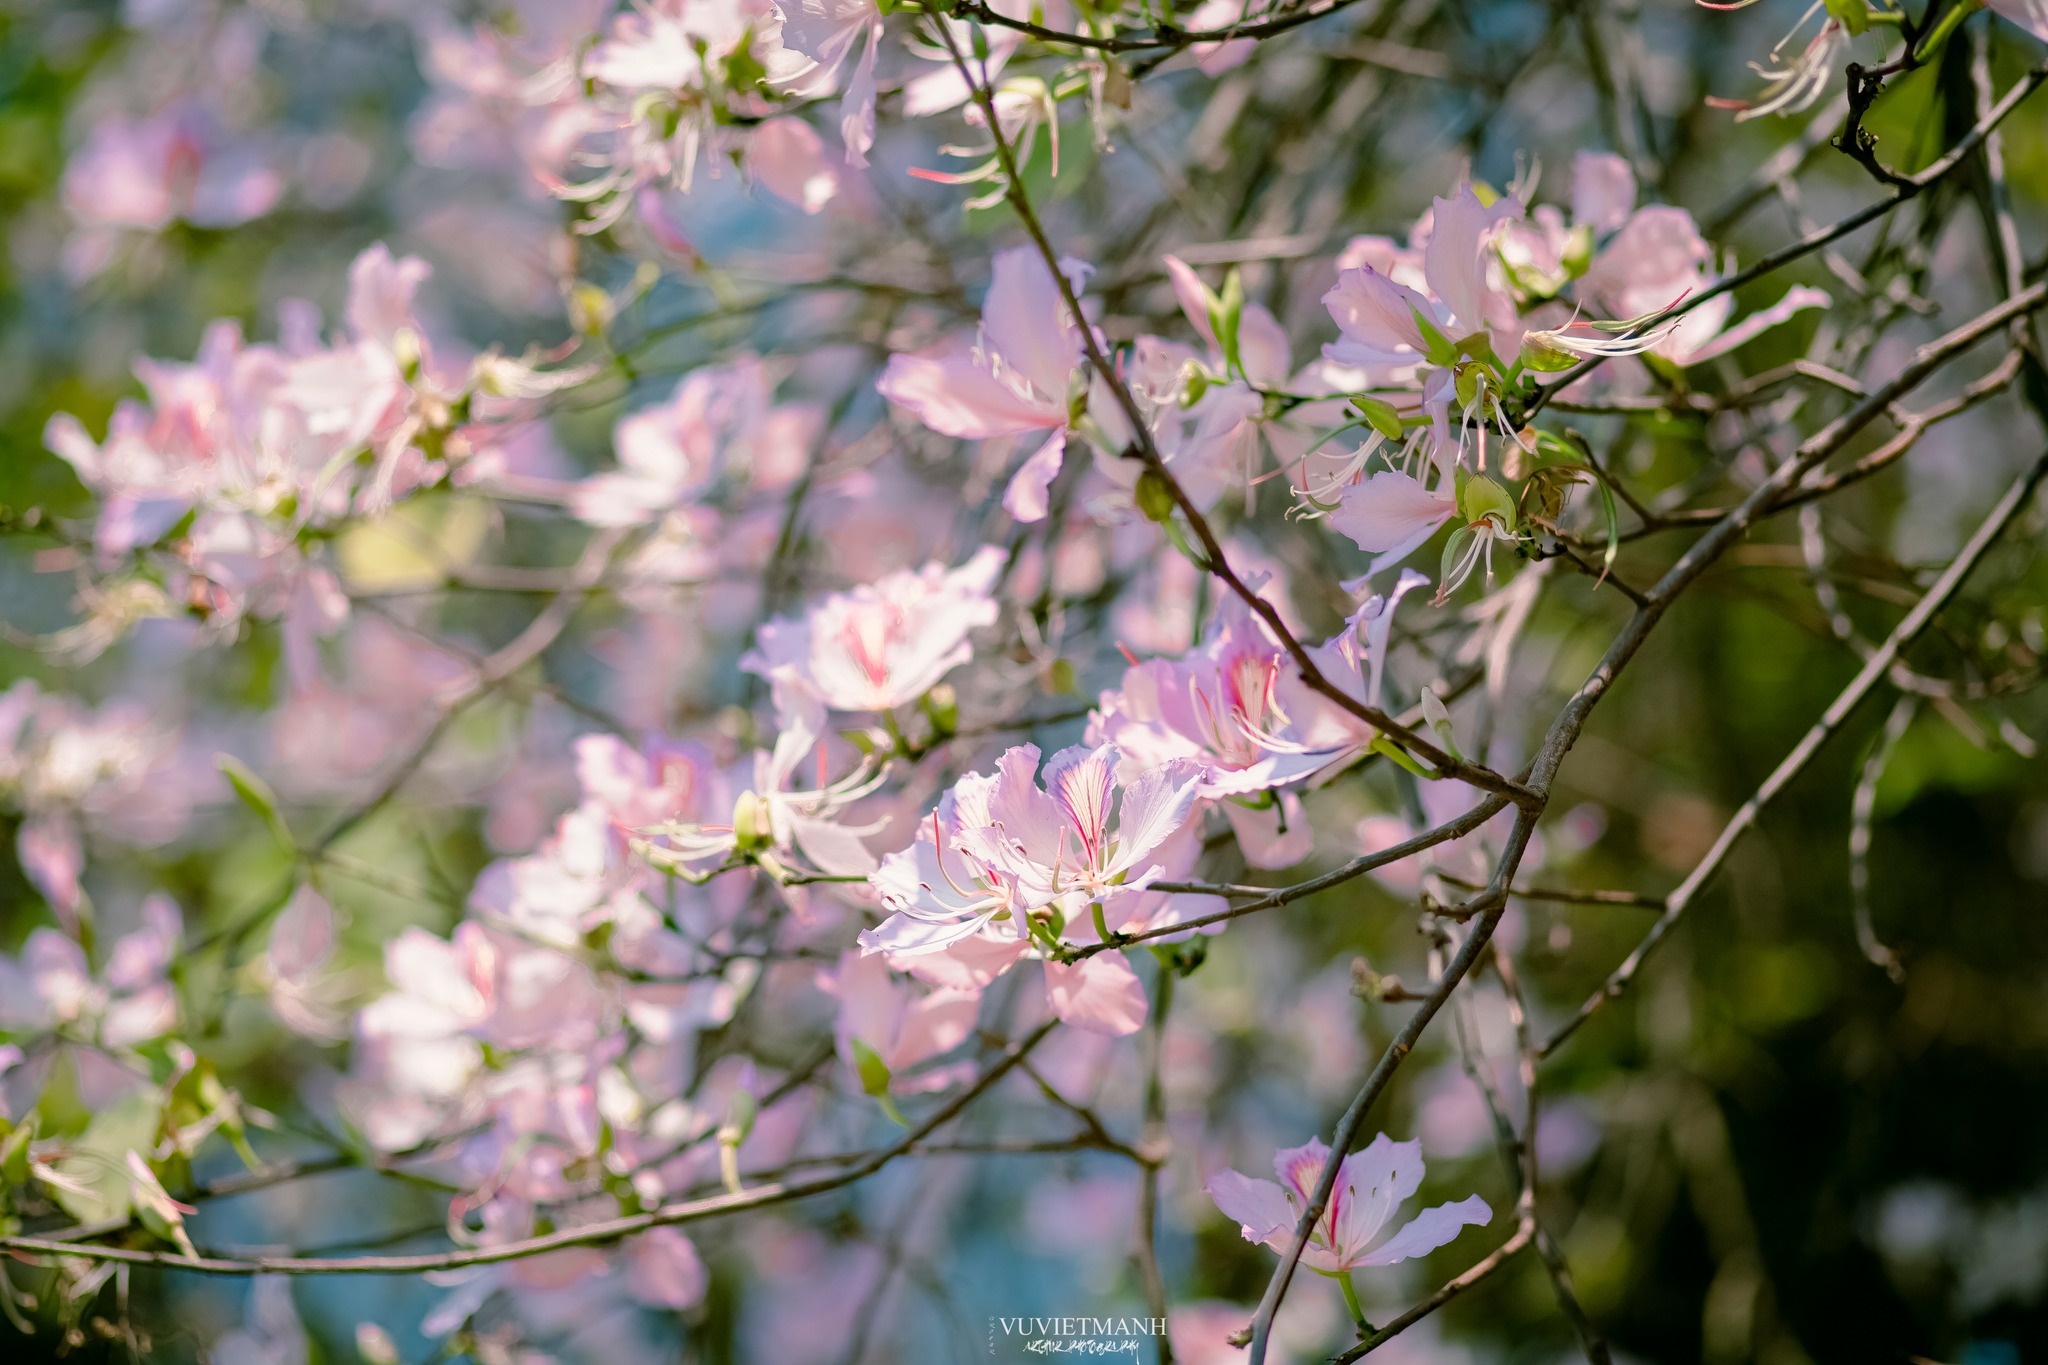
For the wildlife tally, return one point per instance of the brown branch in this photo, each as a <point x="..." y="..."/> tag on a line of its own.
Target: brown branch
<point x="1873" y="671"/>
<point x="589" y="1234"/>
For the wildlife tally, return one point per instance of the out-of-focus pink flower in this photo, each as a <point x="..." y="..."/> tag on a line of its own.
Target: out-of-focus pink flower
<point x="663" y="1269"/>
<point x="1013" y="379"/>
<point x="1656" y="261"/>
<point x="175" y="165"/>
<point x="903" y="1026"/>
<point x="885" y="643"/>
<point x="301" y="944"/>
<point x="722" y="419"/>
<point x="827" y="31"/>
<point x="1371" y="1184"/>
<point x="1216" y="58"/>
<point x="787" y="157"/>
<point x="130" y="1002"/>
<point x="1099" y="994"/>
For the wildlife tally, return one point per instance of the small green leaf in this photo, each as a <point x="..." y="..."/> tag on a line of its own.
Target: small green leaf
<point x="98" y="1159"/>
<point x="874" y="1072"/>
<point x="1853" y="15"/>
<point x="1153" y="496"/>
<point x="1225" y="315"/>
<point x="1380" y="415"/>
<point x="1455" y="550"/>
<point x="14" y="1153"/>
<point x="257" y="796"/>
<point x="1437" y="347"/>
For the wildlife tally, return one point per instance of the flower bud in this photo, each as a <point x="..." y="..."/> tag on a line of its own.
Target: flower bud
<point x="1153" y="496"/>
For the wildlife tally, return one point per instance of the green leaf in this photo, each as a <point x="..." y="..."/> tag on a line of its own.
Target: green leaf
<point x="97" y="1159"/>
<point x="1455" y="549"/>
<point x="874" y="1072"/>
<point x="1225" y="315"/>
<point x="1437" y="347"/>
<point x="1153" y="497"/>
<point x="257" y="796"/>
<point x="1853" y="15"/>
<point x="1379" y="414"/>
<point x="14" y="1153"/>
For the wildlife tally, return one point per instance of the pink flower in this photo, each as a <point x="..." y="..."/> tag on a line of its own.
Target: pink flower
<point x="1655" y="262"/>
<point x="663" y="1269"/>
<point x="721" y="419"/>
<point x="885" y="643"/>
<point x="787" y="157"/>
<point x="772" y="817"/>
<point x="1354" y="660"/>
<point x="1001" y="846"/>
<point x="144" y="174"/>
<point x="827" y="31"/>
<point x="131" y="1000"/>
<point x="1219" y="705"/>
<point x="1383" y="321"/>
<point x="1371" y="1184"/>
<point x="898" y="1024"/>
<point x="1390" y="514"/>
<point x="1013" y="379"/>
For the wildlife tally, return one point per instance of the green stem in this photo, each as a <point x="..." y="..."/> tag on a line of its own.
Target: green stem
<point x="1351" y="1302"/>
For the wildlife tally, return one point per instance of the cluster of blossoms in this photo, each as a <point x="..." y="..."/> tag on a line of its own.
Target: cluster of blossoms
<point x="218" y="494"/>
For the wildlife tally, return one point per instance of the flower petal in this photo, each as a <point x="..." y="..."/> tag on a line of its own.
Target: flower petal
<point x="1259" y="1207"/>
<point x="1429" y="1230"/>
<point x="1100" y="994"/>
<point x="1027" y="497"/>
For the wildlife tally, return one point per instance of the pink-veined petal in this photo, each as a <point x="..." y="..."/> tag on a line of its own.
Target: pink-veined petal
<point x="1375" y="1181"/>
<point x="1154" y="807"/>
<point x="1081" y="782"/>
